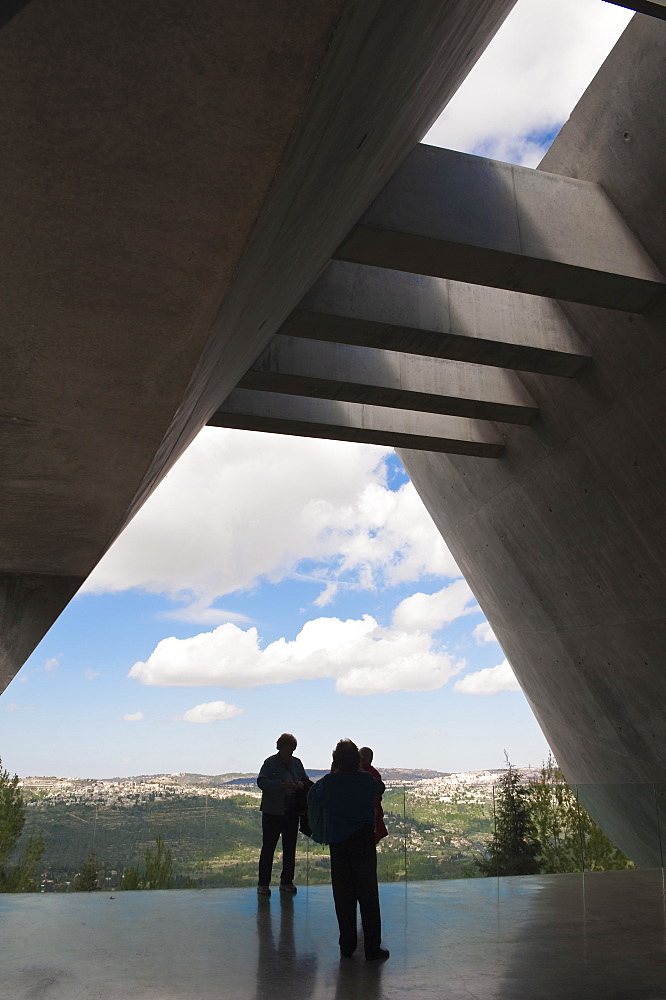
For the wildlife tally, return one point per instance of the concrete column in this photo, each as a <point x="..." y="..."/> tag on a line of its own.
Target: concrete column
<point x="563" y="540"/>
<point x="29" y="603"/>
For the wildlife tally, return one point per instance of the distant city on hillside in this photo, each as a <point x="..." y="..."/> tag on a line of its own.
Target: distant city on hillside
<point x="185" y="782"/>
<point x="143" y="787"/>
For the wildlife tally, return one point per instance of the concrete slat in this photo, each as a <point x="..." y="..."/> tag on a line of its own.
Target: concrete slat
<point x="387" y="378"/>
<point x="322" y="418"/>
<point x="453" y="215"/>
<point x="368" y="306"/>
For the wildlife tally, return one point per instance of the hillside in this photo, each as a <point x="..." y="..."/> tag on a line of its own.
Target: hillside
<point x="213" y="826"/>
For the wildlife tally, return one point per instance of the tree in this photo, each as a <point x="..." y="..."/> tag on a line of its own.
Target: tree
<point x="159" y="866"/>
<point x="570" y="839"/>
<point x="88" y="878"/>
<point x="513" y="848"/>
<point x="158" y="871"/>
<point x="12" y="814"/>
<point x="131" y="879"/>
<point x="22" y="877"/>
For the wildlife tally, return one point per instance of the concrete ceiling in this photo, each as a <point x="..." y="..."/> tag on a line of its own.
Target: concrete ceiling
<point x="174" y="177"/>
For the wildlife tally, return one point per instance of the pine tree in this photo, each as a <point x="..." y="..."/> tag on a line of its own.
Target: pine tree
<point x="22" y="877"/>
<point x="88" y="878"/>
<point x="514" y="848"/>
<point x="12" y="814"/>
<point x="158" y="871"/>
<point x="159" y="866"/>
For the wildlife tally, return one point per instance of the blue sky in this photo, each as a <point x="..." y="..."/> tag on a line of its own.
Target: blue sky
<point x="280" y="584"/>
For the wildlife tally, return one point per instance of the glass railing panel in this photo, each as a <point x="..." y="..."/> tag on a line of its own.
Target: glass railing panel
<point x="392" y="850"/>
<point x="620" y="826"/>
<point x="437" y="831"/>
<point x="142" y="832"/>
<point x="660" y="809"/>
<point x="313" y="864"/>
<point x="447" y="827"/>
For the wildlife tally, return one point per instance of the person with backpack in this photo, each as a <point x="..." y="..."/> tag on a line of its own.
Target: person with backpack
<point x="346" y="799"/>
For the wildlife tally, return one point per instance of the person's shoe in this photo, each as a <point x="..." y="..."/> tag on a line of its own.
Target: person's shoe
<point x="378" y="956"/>
<point x="288" y="887"/>
<point x="346" y="954"/>
<point x="264" y="890"/>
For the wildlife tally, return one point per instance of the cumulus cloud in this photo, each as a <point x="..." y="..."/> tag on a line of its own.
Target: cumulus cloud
<point x="361" y="655"/>
<point x="484" y="634"/>
<point x="529" y="79"/>
<point x="431" y="612"/>
<point x="90" y="674"/>
<point x="52" y="664"/>
<point x="133" y="716"/>
<point x="13" y="706"/>
<point x="489" y="681"/>
<point x="211" y="711"/>
<point x="241" y="507"/>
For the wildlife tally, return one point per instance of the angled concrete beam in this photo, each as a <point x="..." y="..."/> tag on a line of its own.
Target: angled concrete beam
<point x="387" y="378"/>
<point x="338" y="421"/>
<point x="452" y="215"/>
<point x="656" y="8"/>
<point x="376" y="307"/>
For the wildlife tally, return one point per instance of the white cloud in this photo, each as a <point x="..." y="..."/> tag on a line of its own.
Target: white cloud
<point x="431" y="612"/>
<point x="200" y="612"/>
<point x="212" y="711"/>
<point x="13" y="706"/>
<point x="52" y="664"/>
<point x="241" y="507"/>
<point x="489" y="681"/>
<point x="90" y="674"/>
<point x="133" y="716"/>
<point x="529" y="78"/>
<point x="484" y="634"/>
<point x="362" y="656"/>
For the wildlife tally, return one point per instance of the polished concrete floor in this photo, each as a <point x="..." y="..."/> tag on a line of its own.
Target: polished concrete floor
<point x="534" y="938"/>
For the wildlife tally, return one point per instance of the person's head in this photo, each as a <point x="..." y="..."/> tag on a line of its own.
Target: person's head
<point x="366" y="755"/>
<point x="346" y="756"/>
<point x="286" y="745"/>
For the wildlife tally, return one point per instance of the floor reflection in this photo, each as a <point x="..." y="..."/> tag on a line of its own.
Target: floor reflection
<point x="282" y="964"/>
<point x="550" y="937"/>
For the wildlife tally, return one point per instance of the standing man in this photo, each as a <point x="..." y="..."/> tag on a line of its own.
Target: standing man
<point x="281" y="777"/>
<point x="346" y="797"/>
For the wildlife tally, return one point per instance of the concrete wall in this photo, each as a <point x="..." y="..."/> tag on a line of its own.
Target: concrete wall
<point x="563" y="539"/>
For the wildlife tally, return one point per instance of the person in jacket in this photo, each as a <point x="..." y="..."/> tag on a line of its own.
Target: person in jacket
<point x="281" y="779"/>
<point x="367" y="756"/>
<point x="346" y="797"/>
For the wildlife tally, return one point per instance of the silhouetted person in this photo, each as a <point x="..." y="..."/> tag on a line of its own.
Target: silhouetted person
<point x="347" y="796"/>
<point x="367" y="755"/>
<point x="281" y="777"/>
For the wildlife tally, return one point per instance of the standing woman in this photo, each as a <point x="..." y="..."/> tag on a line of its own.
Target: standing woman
<point x="346" y="797"/>
<point x="366" y="765"/>
<point x="281" y="778"/>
